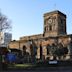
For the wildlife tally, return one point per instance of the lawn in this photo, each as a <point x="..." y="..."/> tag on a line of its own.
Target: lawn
<point x="23" y="65"/>
<point x="19" y="66"/>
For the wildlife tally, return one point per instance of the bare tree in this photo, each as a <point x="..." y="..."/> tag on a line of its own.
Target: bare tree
<point x="5" y="26"/>
<point x="4" y="23"/>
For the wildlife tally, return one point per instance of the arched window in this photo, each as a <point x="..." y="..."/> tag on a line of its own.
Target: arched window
<point x="31" y="49"/>
<point x="48" y="49"/>
<point x="50" y="28"/>
<point x="24" y="48"/>
<point x="45" y="29"/>
<point x="40" y="52"/>
<point x="54" y="27"/>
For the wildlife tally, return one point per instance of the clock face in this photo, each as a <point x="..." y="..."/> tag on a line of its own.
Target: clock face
<point x="49" y="21"/>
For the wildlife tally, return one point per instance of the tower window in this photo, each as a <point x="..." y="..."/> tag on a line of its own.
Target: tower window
<point x="61" y="21"/>
<point x="45" y="29"/>
<point x="50" y="28"/>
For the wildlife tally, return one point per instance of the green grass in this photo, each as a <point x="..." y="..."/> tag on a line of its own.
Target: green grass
<point x="21" y="66"/>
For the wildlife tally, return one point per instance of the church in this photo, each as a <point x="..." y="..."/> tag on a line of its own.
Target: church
<point x="54" y="43"/>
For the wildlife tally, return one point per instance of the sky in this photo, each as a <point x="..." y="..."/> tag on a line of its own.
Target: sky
<point x="27" y="15"/>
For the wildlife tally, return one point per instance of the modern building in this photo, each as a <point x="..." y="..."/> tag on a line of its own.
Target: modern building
<point x="5" y="38"/>
<point x="53" y="43"/>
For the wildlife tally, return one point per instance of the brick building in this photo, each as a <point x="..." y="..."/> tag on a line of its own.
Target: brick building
<point x="53" y="43"/>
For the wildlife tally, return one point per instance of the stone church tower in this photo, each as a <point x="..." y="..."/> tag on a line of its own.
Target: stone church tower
<point x="48" y="44"/>
<point x="54" y="24"/>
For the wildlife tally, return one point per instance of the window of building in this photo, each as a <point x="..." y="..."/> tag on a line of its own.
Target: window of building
<point x="24" y="48"/>
<point x="40" y="52"/>
<point x="45" y="29"/>
<point x="50" y="28"/>
<point x="61" y="21"/>
<point x="48" y="48"/>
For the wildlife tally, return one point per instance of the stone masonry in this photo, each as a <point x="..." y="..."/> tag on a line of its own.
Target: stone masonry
<point x="44" y="46"/>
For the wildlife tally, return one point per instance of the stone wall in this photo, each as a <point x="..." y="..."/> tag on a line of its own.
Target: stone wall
<point x="64" y="40"/>
<point x="32" y="37"/>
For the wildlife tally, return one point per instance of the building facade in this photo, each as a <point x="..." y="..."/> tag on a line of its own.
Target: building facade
<point x="54" y="43"/>
<point x="5" y="38"/>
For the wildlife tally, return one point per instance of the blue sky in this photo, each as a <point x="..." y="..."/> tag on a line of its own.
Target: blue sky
<point x="27" y="15"/>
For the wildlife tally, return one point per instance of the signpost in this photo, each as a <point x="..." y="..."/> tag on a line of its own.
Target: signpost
<point x="53" y="62"/>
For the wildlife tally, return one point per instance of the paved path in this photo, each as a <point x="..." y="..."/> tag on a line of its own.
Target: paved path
<point x="49" y="69"/>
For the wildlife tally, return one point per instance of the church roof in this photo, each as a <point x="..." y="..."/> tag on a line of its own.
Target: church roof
<point x="53" y="12"/>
